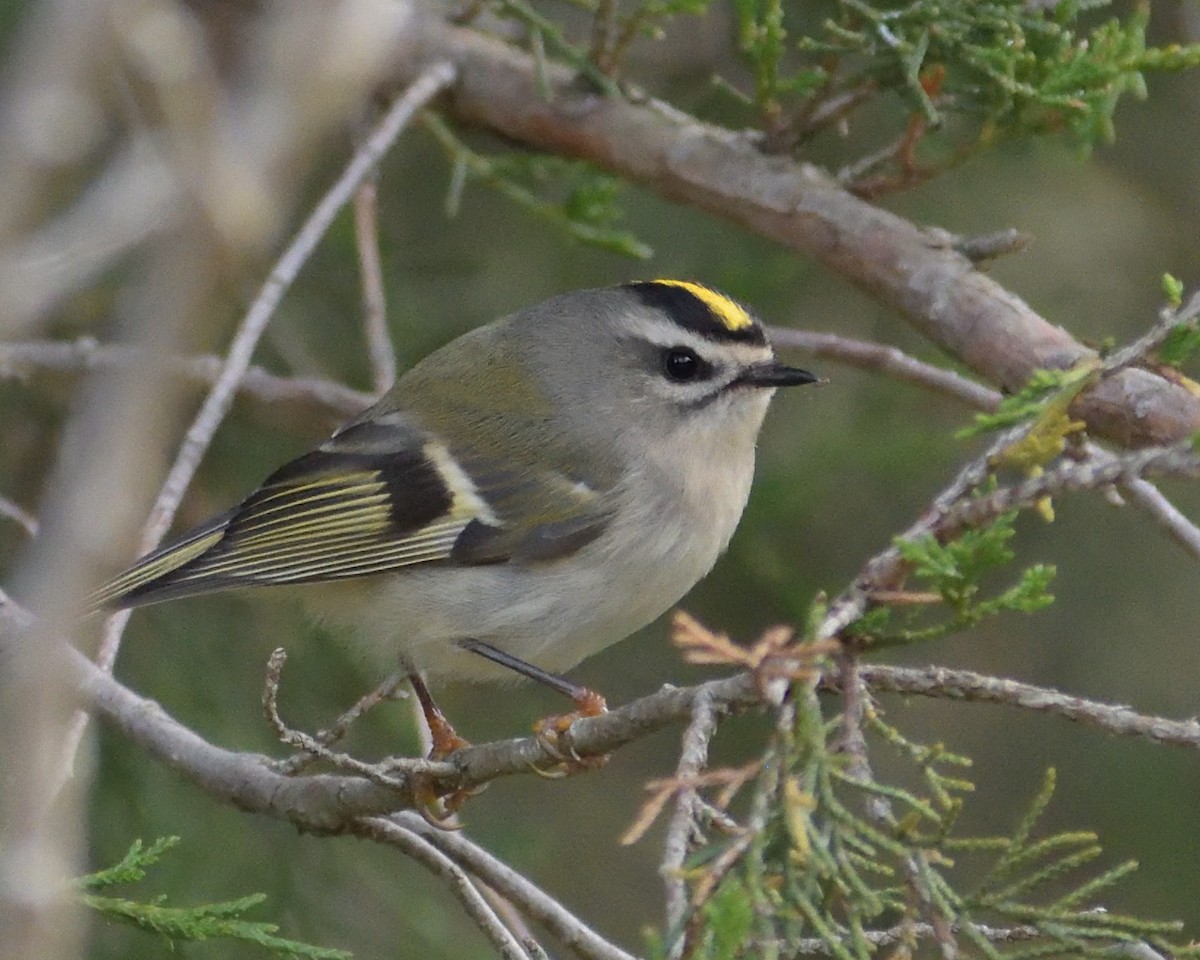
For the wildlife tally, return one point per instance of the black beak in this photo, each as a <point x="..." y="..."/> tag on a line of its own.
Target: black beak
<point x="774" y="374"/>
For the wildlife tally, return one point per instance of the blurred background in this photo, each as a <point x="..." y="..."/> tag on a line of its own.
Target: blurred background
<point x="842" y="469"/>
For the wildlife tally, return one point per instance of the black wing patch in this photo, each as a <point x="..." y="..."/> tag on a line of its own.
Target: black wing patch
<point x="377" y="497"/>
<point x="345" y="510"/>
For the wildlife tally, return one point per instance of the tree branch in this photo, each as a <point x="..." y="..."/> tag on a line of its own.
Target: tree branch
<point x="380" y="349"/>
<point x="693" y="758"/>
<point x="919" y="272"/>
<point x="1090" y="474"/>
<point x="440" y="865"/>
<point x="535" y="902"/>
<point x="945" y="684"/>
<point x="890" y="361"/>
<point x="24" y="359"/>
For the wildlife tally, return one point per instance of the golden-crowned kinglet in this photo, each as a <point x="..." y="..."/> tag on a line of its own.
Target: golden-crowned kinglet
<point x="530" y="493"/>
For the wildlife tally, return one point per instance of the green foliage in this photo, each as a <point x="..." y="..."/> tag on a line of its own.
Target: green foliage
<point x="586" y="210"/>
<point x="761" y="37"/>
<point x="203" y="922"/>
<point x="1008" y="67"/>
<point x="1179" y="344"/>
<point x="548" y="34"/>
<point x="1032" y="400"/>
<point x="955" y="571"/>
<point x="1172" y="290"/>
<point x="612" y="33"/>
<point x="1002" y="69"/>
<point x="840" y="856"/>
<point x="728" y="916"/>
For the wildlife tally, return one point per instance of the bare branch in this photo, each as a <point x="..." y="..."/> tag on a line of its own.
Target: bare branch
<point x="380" y="350"/>
<point x="946" y="684"/>
<point x="693" y="757"/>
<point x="1152" y="500"/>
<point x="20" y="516"/>
<point x="477" y="908"/>
<point x="514" y="920"/>
<point x="1176" y="461"/>
<point x="919" y="272"/>
<point x="323" y="802"/>
<point x="85" y="354"/>
<point x="895" y="363"/>
<point x="536" y="903"/>
<point x="334" y="803"/>
<point x="195" y="442"/>
<point x="890" y="361"/>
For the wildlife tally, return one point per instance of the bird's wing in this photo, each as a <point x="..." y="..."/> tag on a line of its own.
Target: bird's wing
<point x="376" y="497"/>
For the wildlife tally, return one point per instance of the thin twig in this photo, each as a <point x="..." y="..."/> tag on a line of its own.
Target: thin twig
<point x="693" y="757"/>
<point x="432" y="81"/>
<point x="85" y="354"/>
<point x="946" y="684"/>
<point x="1152" y="500"/>
<point x="382" y="774"/>
<point x="886" y="568"/>
<point x="1175" y="461"/>
<point x="386" y="690"/>
<point x="893" y="362"/>
<point x="212" y="412"/>
<point x="577" y="936"/>
<point x="887" y="360"/>
<point x="514" y="920"/>
<point x="440" y="865"/>
<point x="902" y="933"/>
<point x="1138" y="350"/>
<point x="380" y="350"/>
<point x="20" y="516"/>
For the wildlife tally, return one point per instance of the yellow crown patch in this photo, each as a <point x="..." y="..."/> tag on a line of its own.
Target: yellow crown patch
<point x="731" y="316"/>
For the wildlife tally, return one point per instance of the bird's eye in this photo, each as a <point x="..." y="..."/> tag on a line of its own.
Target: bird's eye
<point x="682" y="365"/>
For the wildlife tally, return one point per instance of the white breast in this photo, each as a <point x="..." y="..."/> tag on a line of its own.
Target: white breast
<point x="674" y="527"/>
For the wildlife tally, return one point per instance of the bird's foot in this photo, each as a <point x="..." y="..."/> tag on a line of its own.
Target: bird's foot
<point x="554" y="735"/>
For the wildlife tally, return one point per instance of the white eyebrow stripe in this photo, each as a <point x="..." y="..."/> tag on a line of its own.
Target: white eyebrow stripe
<point x="665" y="333"/>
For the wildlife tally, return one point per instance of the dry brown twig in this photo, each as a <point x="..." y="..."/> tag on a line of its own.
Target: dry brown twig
<point x="774" y="660"/>
<point x="730" y="779"/>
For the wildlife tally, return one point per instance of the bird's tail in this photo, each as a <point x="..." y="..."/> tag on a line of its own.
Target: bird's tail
<point x="155" y="577"/>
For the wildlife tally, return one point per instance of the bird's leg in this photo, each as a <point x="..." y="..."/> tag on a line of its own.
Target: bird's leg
<point x="550" y="731"/>
<point x="444" y="737"/>
<point x="437" y="810"/>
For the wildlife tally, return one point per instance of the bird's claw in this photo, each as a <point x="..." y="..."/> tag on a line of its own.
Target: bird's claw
<point x="553" y="734"/>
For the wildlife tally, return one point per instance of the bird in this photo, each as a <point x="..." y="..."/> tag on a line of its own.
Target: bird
<point x="523" y="497"/>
